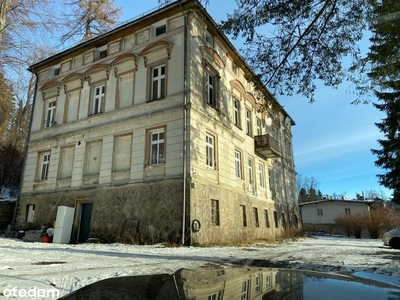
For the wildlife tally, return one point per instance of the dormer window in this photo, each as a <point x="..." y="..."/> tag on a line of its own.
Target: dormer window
<point x="161" y="30"/>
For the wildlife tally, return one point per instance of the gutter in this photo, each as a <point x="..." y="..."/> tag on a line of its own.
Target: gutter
<point x="14" y="219"/>
<point x="184" y="124"/>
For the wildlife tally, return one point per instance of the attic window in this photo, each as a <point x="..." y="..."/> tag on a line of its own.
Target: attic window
<point x="55" y="71"/>
<point x="209" y="39"/>
<point x="161" y="30"/>
<point x="101" y="52"/>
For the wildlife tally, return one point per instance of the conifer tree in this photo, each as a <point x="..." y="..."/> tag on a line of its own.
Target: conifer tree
<point x="384" y="58"/>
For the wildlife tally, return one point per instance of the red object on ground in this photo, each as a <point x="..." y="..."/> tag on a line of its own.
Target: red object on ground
<point x="47" y="239"/>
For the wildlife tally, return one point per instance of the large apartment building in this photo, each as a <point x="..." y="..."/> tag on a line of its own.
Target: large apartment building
<point x="152" y="132"/>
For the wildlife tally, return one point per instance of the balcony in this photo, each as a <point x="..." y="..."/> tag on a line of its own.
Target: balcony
<point x="266" y="146"/>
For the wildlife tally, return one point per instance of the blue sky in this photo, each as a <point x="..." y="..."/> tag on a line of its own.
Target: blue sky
<point x="331" y="139"/>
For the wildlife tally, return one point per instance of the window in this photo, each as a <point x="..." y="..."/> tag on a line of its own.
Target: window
<point x="245" y="290"/>
<point x="238" y="163"/>
<point x="98" y="100"/>
<point x="261" y="174"/>
<point x="209" y="39"/>
<point x="244" y="219"/>
<point x="157" y="147"/>
<point x="266" y="218"/>
<point x="215" y="212"/>
<point x="251" y="176"/>
<point x="236" y="112"/>
<point x="211" y="89"/>
<point x="210" y="153"/>
<point x="268" y="283"/>
<point x="215" y="296"/>
<point x="161" y="30"/>
<point x="234" y="68"/>
<point x="248" y="123"/>
<point x="122" y="153"/>
<point x="50" y="113"/>
<point x="347" y="210"/>
<point x="101" y="52"/>
<point x="66" y="162"/>
<point x="319" y="212"/>
<point x="258" y="283"/>
<point x="30" y="211"/>
<point x="157" y="83"/>
<point x="259" y="126"/>
<point x="44" y="162"/>
<point x="255" y="217"/>
<point x="276" y="219"/>
<point x="92" y="158"/>
<point x="56" y="72"/>
<point x="270" y="179"/>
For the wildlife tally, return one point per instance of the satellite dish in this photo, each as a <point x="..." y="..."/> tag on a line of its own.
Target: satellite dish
<point x="268" y="120"/>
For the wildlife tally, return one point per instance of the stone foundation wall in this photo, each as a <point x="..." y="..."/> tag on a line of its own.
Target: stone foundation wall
<point x="156" y="209"/>
<point x="231" y="229"/>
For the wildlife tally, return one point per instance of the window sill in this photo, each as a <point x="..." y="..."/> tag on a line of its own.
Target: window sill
<point x="155" y="100"/>
<point x="96" y="114"/>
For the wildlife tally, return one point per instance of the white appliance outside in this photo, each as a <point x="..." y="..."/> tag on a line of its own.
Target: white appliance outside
<point x="63" y="228"/>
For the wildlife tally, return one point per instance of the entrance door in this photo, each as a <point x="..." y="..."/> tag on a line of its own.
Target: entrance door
<point x="84" y="225"/>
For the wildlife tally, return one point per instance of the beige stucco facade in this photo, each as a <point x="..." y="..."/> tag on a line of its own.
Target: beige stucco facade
<point x="326" y="211"/>
<point x="159" y="138"/>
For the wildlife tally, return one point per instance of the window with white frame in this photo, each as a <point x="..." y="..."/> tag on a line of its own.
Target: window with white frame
<point x="215" y="296"/>
<point x="238" y="164"/>
<point x="261" y="177"/>
<point x="211" y="89"/>
<point x="347" y="211"/>
<point x="245" y="290"/>
<point x="248" y="123"/>
<point x="319" y="212"/>
<point x="236" y="112"/>
<point x="210" y="151"/>
<point x="97" y="105"/>
<point x="44" y="162"/>
<point x="257" y="285"/>
<point x="268" y="281"/>
<point x="250" y="169"/>
<point x="259" y="126"/>
<point x="50" y="113"/>
<point x="157" y="147"/>
<point x="157" y="82"/>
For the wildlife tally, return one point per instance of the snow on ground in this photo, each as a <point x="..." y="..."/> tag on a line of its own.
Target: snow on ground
<point x="69" y="267"/>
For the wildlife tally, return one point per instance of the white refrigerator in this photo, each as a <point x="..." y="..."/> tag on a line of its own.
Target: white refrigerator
<point x="64" y="220"/>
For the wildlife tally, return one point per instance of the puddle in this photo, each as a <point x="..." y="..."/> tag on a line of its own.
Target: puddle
<point x="240" y="283"/>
